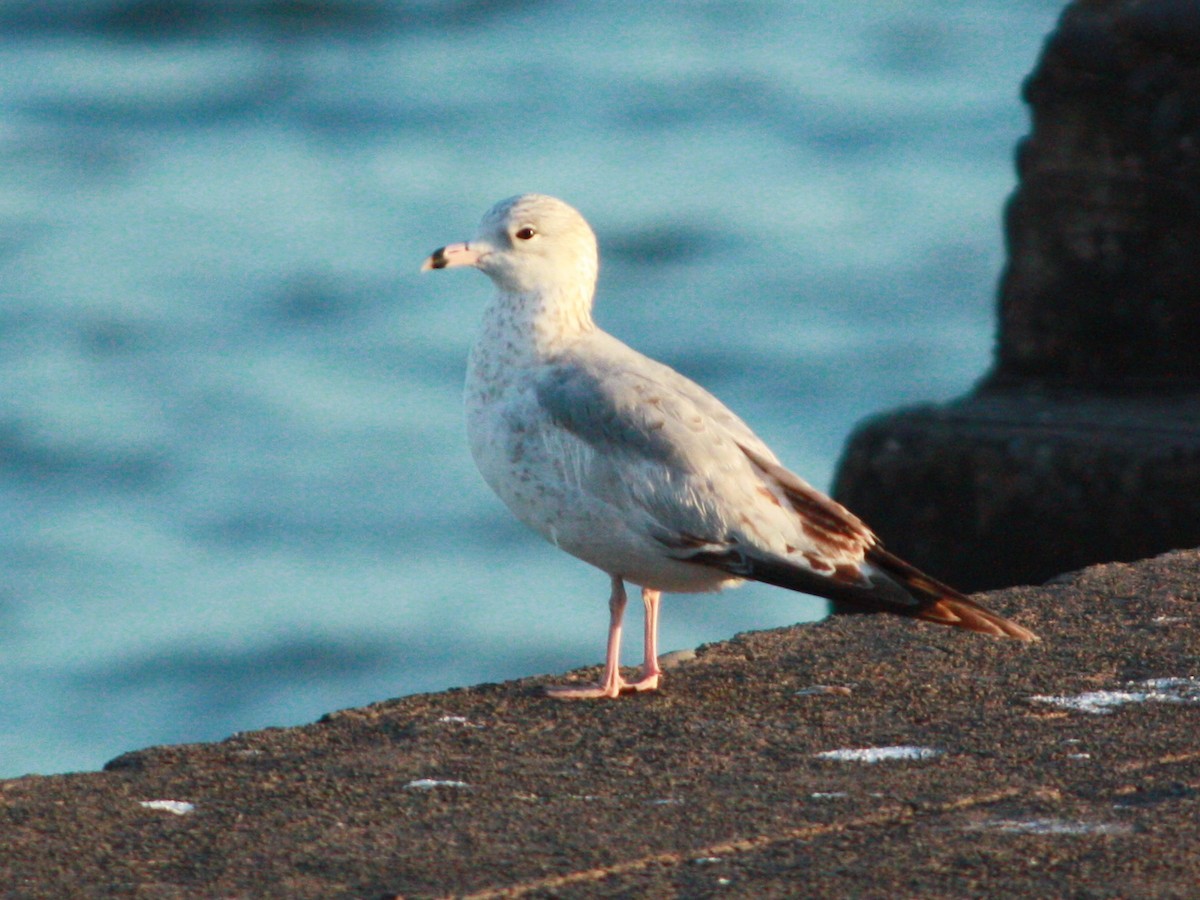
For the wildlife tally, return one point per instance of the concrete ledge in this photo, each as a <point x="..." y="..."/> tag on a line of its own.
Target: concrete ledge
<point x="1011" y="487"/>
<point x="716" y="784"/>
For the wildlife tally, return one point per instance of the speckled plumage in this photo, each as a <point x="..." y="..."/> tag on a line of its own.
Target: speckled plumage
<point x="630" y="466"/>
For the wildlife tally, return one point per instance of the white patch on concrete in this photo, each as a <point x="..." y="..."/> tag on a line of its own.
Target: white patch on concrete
<point x="676" y="658"/>
<point x="1152" y="690"/>
<point x="880" y="754"/>
<point x="1055" y="826"/>
<point x="179" y="807"/>
<point x="818" y="690"/>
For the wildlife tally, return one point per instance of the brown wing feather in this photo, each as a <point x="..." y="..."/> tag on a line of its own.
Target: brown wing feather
<point x="826" y="522"/>
<point x="895" y="586"/>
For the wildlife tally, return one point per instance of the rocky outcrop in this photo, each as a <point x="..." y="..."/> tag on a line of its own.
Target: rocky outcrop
<point x="1102" y="287"/>
<point x="1083" y="443"/>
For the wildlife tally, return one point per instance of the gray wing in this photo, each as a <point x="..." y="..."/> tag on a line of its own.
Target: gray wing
<point x="663" y="448"/>
<point x="701" y="484"/>
<point x="622" y="402"/>
<point x="662" y="445"/>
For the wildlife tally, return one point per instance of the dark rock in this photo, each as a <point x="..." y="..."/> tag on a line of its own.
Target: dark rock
<point x="1080" y="446"/>
<point x="1102" y="287"/>
<point x="1169" y="25"/>
<point x="1009" y="487"/>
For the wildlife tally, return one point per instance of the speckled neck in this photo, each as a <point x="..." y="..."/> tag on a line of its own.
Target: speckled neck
<point x="525" y="330"/>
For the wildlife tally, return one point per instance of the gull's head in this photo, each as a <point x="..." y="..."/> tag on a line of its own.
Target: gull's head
<point x="529" y="244"/>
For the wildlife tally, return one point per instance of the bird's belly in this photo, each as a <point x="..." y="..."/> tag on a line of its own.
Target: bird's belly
<point x="539" y="474"/>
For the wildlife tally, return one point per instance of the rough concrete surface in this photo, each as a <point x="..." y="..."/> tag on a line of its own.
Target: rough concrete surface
<point x="713" y="786"/>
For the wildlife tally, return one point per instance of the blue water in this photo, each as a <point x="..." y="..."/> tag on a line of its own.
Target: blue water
<point x="234" y="484"/>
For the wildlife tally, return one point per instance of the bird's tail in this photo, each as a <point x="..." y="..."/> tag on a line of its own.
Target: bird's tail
<point x="883" y="582"/>
<point x="936" y="602"/>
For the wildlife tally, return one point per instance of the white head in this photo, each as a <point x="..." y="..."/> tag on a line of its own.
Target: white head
<point x="529" y="244"/>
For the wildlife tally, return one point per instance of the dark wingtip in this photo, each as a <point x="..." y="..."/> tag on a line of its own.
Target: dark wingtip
<point x="943" y="604"/>
<point x="968" y="614"/>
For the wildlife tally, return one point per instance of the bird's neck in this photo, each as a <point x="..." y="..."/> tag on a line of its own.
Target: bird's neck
<point x="521" y="332"/>
<point x="531" y="328"/>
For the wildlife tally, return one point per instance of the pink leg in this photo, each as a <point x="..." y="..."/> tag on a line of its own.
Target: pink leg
<point x="611" y="683"/>
<point x="650" y="670"/>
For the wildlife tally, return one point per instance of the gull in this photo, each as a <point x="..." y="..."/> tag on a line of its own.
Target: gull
<point x="630" y="466"/>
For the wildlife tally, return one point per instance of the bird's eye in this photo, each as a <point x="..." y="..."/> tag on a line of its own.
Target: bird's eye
<point x="526" y="233"/>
